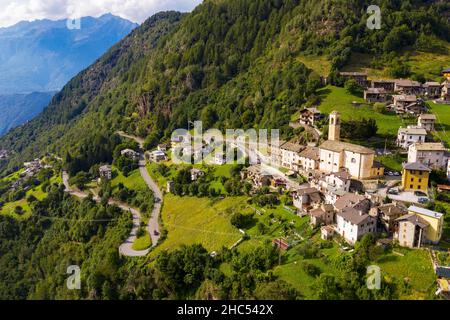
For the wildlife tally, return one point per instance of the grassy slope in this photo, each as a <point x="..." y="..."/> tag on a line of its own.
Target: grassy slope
<point x="37" y="192"/>
<point x="442" y="111"/>
<point x="143" y="242"/>
<point x="335" y="98"/>
<point x="415" y="267"/>
<point x="429" y="64"/>
<point x="199" y="220"/>
<point x="292" y="272"/>
<point x="134" y="180"/>
<point x="320" y="64"/>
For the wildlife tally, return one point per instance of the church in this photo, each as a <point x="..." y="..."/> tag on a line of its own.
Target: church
<point x="336" y="155"/>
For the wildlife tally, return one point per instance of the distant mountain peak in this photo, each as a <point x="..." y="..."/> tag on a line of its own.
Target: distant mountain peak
<point x="43" y="55"/>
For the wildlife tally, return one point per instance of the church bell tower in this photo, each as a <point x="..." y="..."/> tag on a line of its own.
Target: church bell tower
<point x="334" y="129"/>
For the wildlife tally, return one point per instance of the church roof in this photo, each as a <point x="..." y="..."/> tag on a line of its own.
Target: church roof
<point x="339" y="146"/>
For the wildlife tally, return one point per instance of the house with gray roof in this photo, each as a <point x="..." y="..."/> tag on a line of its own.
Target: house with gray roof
<point x="353" y="224"/>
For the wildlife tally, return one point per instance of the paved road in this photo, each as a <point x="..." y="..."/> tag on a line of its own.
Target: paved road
<point x="153" y="223"/>
<point x="126" y="248"/>
<point x="140" y="141"/>
<point x="252" y="148"/>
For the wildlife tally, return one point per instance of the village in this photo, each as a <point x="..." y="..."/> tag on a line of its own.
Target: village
<point x="339" y="186"/>
<point x="345" y="192"/>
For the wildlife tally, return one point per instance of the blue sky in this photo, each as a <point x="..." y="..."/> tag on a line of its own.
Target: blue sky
<point x="14" y="11"/>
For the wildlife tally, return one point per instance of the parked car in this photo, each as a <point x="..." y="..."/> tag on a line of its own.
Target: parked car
<point x="423" y="200"/>
<point x="420" y="194"/>
<point x="393" y="191"/>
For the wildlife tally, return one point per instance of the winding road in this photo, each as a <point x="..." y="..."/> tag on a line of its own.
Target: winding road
<point x="153" y="223"/>
<point x="126" y="248"/>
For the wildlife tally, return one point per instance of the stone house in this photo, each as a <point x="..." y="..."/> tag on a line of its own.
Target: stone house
<point x="353" y="224"/>
<point x="387" y="85"/>
<point x="431" y="154"/>
<point x="310" y="116"/>
<point x="432" y="90"/>
<point x="105" y="172"/>
<point x="306" y="199"/>
<point x="359" y="77"/>
<point x="408" y="87"/>
<point x="322" y="215"/>
<point x="372" y="95"/>
<point x="410" y="135"/>
<point x="427" y="121"/>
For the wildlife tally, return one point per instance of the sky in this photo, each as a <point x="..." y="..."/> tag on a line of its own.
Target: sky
<point x="13" y="11"/>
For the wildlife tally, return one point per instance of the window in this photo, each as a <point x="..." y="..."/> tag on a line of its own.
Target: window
<point x="411" y="186"/>
<point x="412" y="179"/>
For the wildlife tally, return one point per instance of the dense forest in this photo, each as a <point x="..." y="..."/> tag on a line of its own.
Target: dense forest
<point x="35" y="254"/>
<point x="231" y="64"/>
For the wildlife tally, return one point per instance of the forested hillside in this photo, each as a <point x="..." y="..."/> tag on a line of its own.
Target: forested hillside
<point x="229" y="63"/>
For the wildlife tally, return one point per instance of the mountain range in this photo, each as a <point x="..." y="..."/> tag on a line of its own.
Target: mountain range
<point x="38" y="58"/>
<point x="43" y="55"/>
<point x="232" y="64"/>
<point x="16" y="109"/>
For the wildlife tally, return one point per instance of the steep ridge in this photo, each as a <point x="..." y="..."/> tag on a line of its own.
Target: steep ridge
<point x="232" y="64"/>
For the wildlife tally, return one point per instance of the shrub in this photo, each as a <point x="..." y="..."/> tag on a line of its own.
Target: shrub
<point x="240" y="220"/>
<point x="311" y="269"/>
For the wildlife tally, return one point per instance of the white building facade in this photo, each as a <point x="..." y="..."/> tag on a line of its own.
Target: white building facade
<point x="410" y="135"/>
<point x="353" y="225"/>
<point x="431" y="154"/>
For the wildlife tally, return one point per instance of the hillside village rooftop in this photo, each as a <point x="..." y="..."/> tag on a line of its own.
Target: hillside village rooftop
<point x="340" y="146"/>
<point x="431" y="84"/>
<point x="405" y="98"/>
<point x="416" y="166"/>
<point x="353" y="215"/>
<point x="294" y="147"/>
<point x="376" y="90"/>
<point x="430" y="146"/>
<point x="425" y="212"/>
<point x="412" y="130"/>
<point x="427" y="116"/>
<point x="348" y="200"/>
<point x="310" y="153"/>
<point x="407" y="83"/>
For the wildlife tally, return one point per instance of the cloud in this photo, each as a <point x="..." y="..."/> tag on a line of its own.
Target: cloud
<point x="14" y="11"/>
